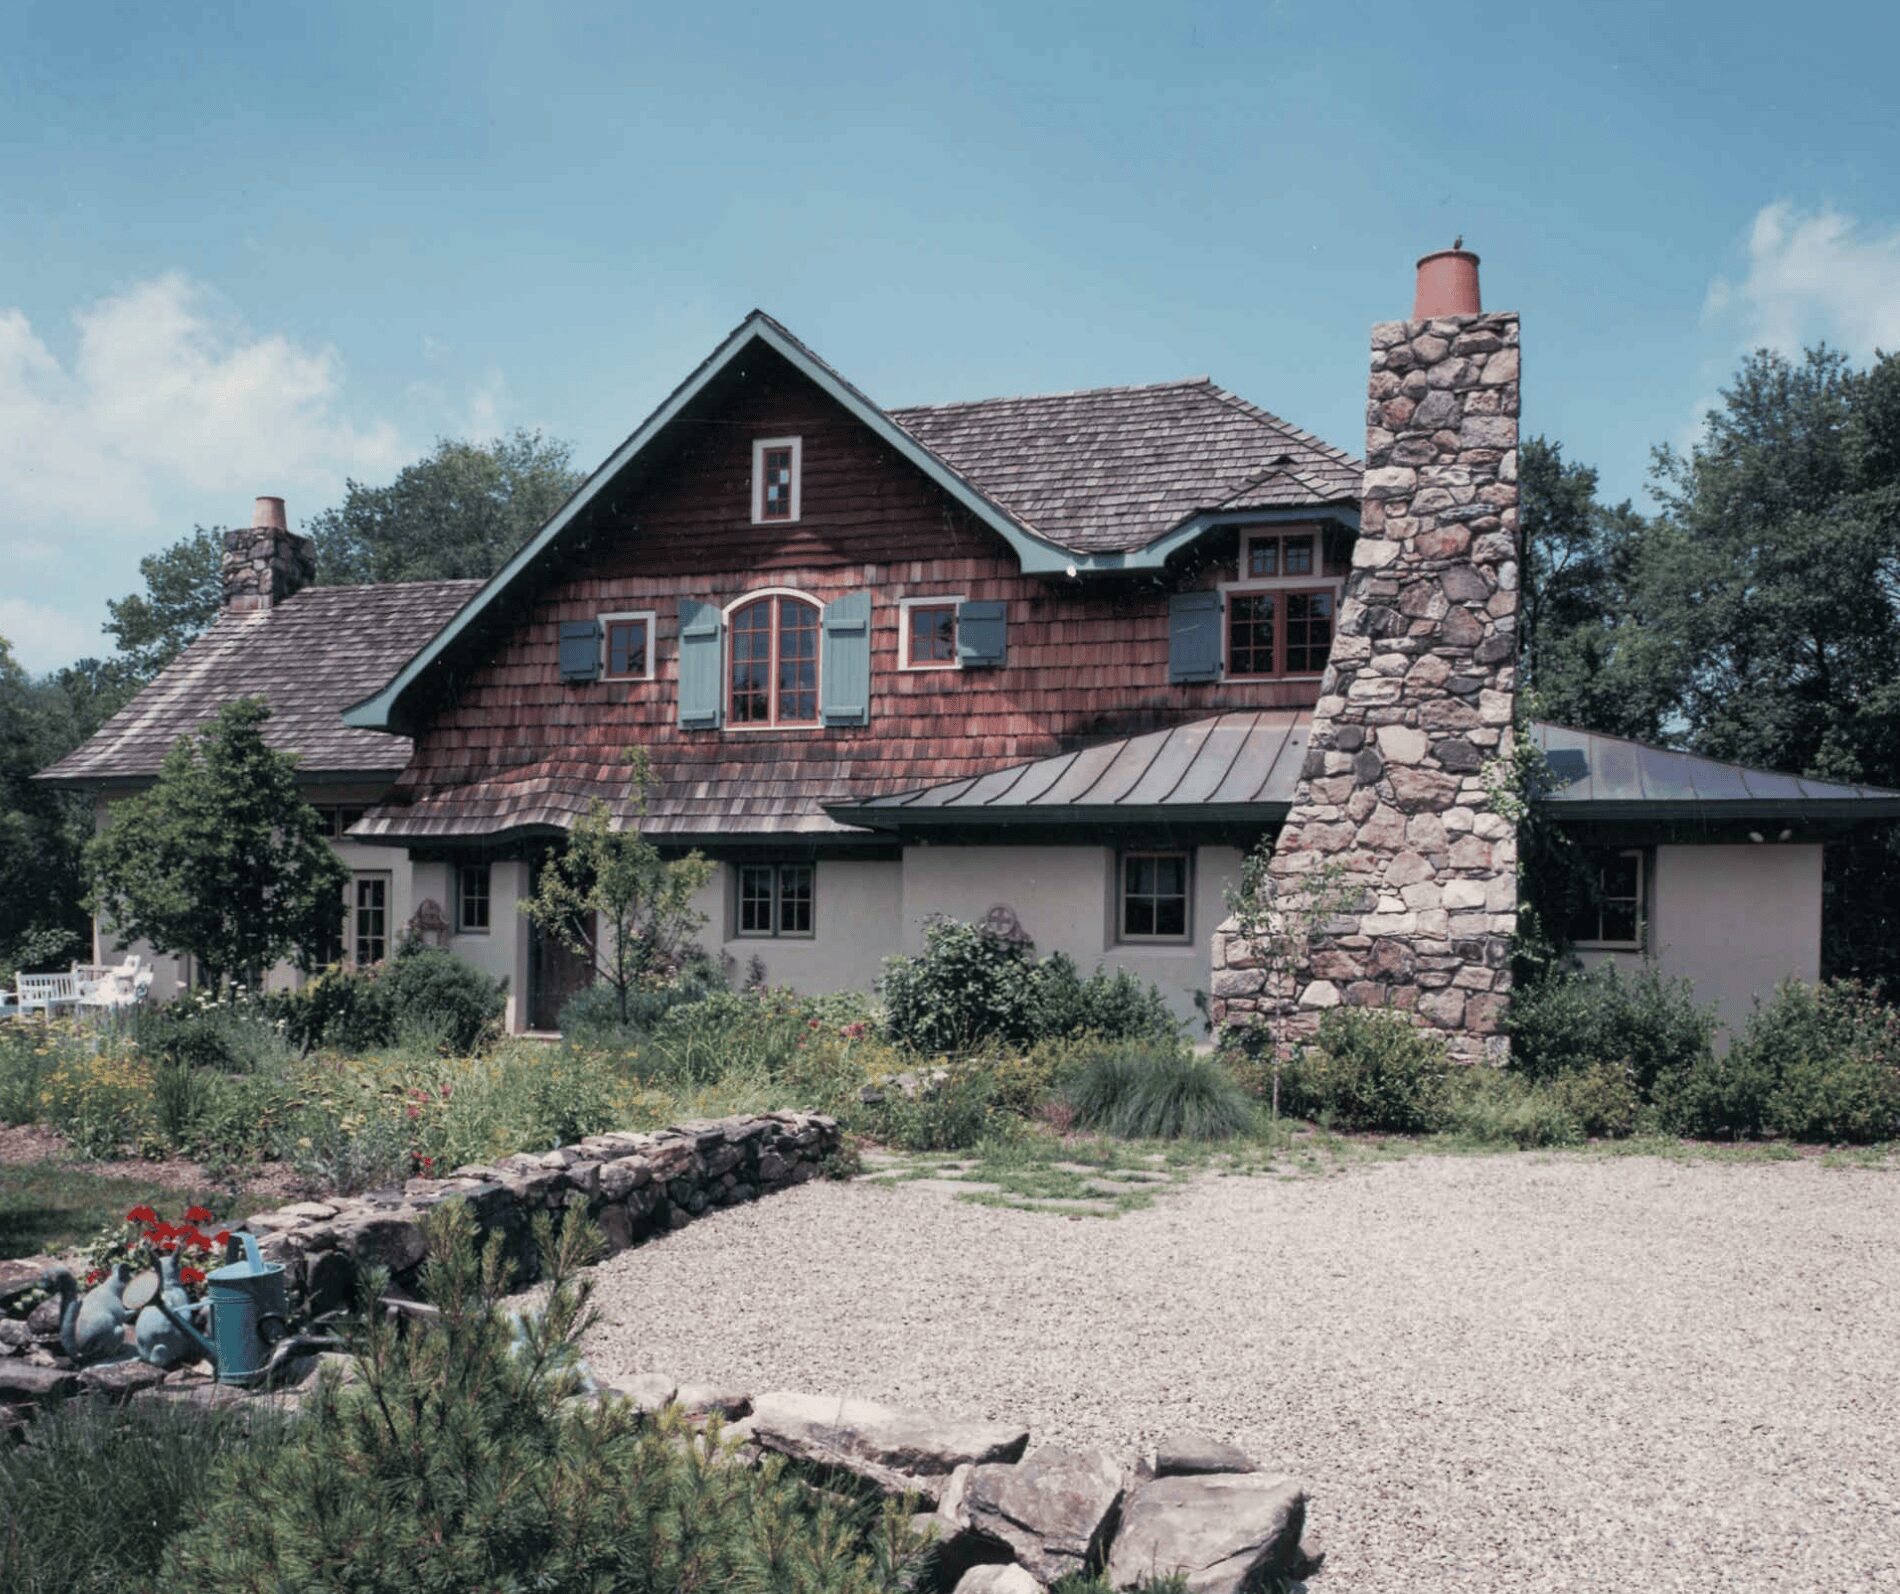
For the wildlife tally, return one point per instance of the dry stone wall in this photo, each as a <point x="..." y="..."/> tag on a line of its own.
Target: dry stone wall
<point x="1395" y="822"/>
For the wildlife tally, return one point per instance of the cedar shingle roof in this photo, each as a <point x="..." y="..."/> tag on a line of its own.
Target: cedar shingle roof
<point x="1110" y="469"/>
<point x="310" y="656"/>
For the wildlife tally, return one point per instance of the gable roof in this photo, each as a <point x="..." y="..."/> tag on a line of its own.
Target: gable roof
<point x="1113" y="478"/>
<point x="1246" y="766"/>
<point x="1110" y="470"/>
<point x="310" y="656"/>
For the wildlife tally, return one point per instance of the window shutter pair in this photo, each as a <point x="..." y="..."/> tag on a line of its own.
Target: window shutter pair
<point x="844" y="665"/>
<point x="580" y="650"/>
<point x="1194" y="641"/>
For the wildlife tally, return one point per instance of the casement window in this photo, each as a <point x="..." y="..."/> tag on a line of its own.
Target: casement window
<point x="927" y="638"/>
<point x="337" y="821"/>
<point x="773" y="674"/>
<point x="776" y="488"/>
<point x="773" y="899"/>
<point x="472" y="899"/>
<point x="1615" y="915"/>
<point x="1279" y="615"/>
<point x="368" y="925"/>
<point x="627" y="646"/>
<point x="1154" y="896"/>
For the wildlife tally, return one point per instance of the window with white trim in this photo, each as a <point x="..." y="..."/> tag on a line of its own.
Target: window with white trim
<point x="369" y="919"/>
<point x="773" y="899"/>
<point x="1154" y="896"/>
<point x="927" y="636"/>
<point x="626" y="642"/>
<point x="772" y="661"/>
<point x="1282" y="611"/>
<point x="776" y="488"/>
<point x="472" y="899"/>
<point x="1614" y="916"/>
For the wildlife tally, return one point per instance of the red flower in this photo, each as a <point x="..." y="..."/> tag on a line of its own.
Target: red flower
<point x="415" y="1112"/>
<point x="222" y="1237"/>
<point x="95" y="1276"/>
<point x="197" y="1215"/>
<point x="141" y="1215"/>
<point x="192" y="1275"/>
<point x="197" y="1241"/>
<point x="447" y="1091"/>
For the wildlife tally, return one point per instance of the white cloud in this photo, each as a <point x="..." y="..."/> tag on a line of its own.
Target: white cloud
<point x="1813" y="275"/>
<point x="168" y="411"/>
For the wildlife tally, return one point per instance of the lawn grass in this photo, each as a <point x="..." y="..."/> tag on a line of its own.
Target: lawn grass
<point x="46" y="1208"/>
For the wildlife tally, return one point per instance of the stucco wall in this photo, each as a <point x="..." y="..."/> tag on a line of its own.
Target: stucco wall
<point x="503" y="951"/>
<point x="1735" y="921"/>
<point x="855" y="910"/>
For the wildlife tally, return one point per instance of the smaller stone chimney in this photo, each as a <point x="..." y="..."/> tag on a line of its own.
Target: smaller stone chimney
<point x="266" y="562"/>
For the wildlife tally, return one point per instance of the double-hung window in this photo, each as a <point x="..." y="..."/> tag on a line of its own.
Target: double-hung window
<point x="1281" y="613"/>
<point x="472" y="899"/>
<point x="773" y="674"/>
<point x="776" y="485"/>
<point x="369" y="919"/>
<point x="774" y="899"/>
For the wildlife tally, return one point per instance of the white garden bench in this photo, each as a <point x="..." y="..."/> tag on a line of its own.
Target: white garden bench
<point x="88" y="985"/>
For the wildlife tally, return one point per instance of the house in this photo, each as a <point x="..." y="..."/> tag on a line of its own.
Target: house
<point x="1051" y="663"/>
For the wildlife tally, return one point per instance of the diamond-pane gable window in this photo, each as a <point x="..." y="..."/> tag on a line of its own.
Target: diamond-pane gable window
<point x="775" y="479"/>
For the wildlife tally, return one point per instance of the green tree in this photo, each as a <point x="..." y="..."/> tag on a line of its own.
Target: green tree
<point x="1588" y="655"/>
<point x="42" y="921"/>
<point x="221" y="858"/>
<point x="183" y="589"/>
<point x="611" y="896"/>
<point x="461" y="511"/>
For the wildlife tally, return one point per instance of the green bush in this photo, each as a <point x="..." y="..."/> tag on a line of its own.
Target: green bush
<point x="234" y="1035"/>
<point x="592" y="1018"/>
<point x="343" y="1157"/>
<point x="967" y="988"/>
<point x="438" y="992"/>
<point x="1603" y="1100"/>
<point x="1491" y="1107"/>
<point x="1148" y="1093"/>
<point x="96" y="1490"/>
<point x="462" y="1459"/>
<point x="953" y="1113"/>
<point x="1818" y="1062"/>
<point x="1368" y="1070"/>
<point x="341" y="1009"/>
<point x="1571" y="1022"/>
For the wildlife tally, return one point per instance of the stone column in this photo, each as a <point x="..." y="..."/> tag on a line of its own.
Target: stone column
<point x="265" y="562"/>
<point x="1397" y="810"/>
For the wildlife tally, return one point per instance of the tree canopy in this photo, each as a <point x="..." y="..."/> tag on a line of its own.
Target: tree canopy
<point x="221" y="859"/>
<point x="459" y="512"/>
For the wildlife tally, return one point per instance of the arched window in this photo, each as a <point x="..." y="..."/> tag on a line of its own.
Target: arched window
<point x="774" y="662"/>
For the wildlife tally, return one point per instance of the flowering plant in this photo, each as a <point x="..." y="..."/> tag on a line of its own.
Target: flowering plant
<point x="143" y="1237"/>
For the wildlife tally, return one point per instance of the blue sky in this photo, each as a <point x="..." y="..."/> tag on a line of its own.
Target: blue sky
<point x="264" y="248"/>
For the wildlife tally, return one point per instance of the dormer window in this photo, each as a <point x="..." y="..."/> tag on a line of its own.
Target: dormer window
<point x="1280" y="613"/>
<point x="775" y="479"/>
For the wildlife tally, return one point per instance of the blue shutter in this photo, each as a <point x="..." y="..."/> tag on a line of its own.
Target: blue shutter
<point x="981" y="639"/>
<point x="845" y="665"/>
<point x="580" y="650"/>
<point x="702" y="671"/>
<point x="1194" y="651"/>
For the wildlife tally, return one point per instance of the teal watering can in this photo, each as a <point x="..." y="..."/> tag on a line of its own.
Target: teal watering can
<point x="250" y="1313"/>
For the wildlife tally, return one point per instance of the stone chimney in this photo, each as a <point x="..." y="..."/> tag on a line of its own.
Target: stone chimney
<point x="265" y="562"/>
<point x="1396" y="829"/>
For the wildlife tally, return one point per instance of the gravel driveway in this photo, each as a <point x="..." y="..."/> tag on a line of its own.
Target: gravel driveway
<point x="1494" y="1372"/>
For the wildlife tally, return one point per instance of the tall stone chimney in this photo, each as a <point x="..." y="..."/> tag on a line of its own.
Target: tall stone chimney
<point x="1396" y="828"/>
<point x="266" y="562"/>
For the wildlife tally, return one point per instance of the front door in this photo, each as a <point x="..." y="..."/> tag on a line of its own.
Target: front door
<point x="556" y="973"/>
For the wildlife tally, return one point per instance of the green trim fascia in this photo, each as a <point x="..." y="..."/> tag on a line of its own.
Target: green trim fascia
<point x="954" y="818"/>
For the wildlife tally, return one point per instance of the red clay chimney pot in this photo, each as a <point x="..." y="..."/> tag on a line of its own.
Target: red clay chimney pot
<point x="1447" y="285"/>
<point x="268" y="515"/>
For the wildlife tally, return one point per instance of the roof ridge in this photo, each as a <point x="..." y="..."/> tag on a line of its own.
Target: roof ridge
<point x="1068" y="393"/>
<point x="386" y="586"/>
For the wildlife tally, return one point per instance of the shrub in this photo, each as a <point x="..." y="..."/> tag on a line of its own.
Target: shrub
<point x="964" y="987"/>
<point x="968" y="987"/>
<point x="340" y="1008"/>
<point x="1573" y="1021"/>
<point x="347" y="1155"/>
<point x="592" y="1018"/>
<point x="1491" y="1107"/>
<point x="1603" y="1100"/>
<point x="459" y="1459"/>
<point x="953" y="1113"/>
<point x="1116" y="1006"/>
<point x="1818" y="1062"/>
<point x="235" y="1035"/>
<point x="96" y="1490"/>
<point x="439" y="992"/>
<point x="1368" y="1070"/>
<point x="1146" y="1093"/>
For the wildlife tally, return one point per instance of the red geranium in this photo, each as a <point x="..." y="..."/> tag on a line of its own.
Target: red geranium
<point x="141" y="1215"/>
<point x="192" y="1275"/>
<point x="222" y="1237"/>
<point x="197" y="1215"/>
